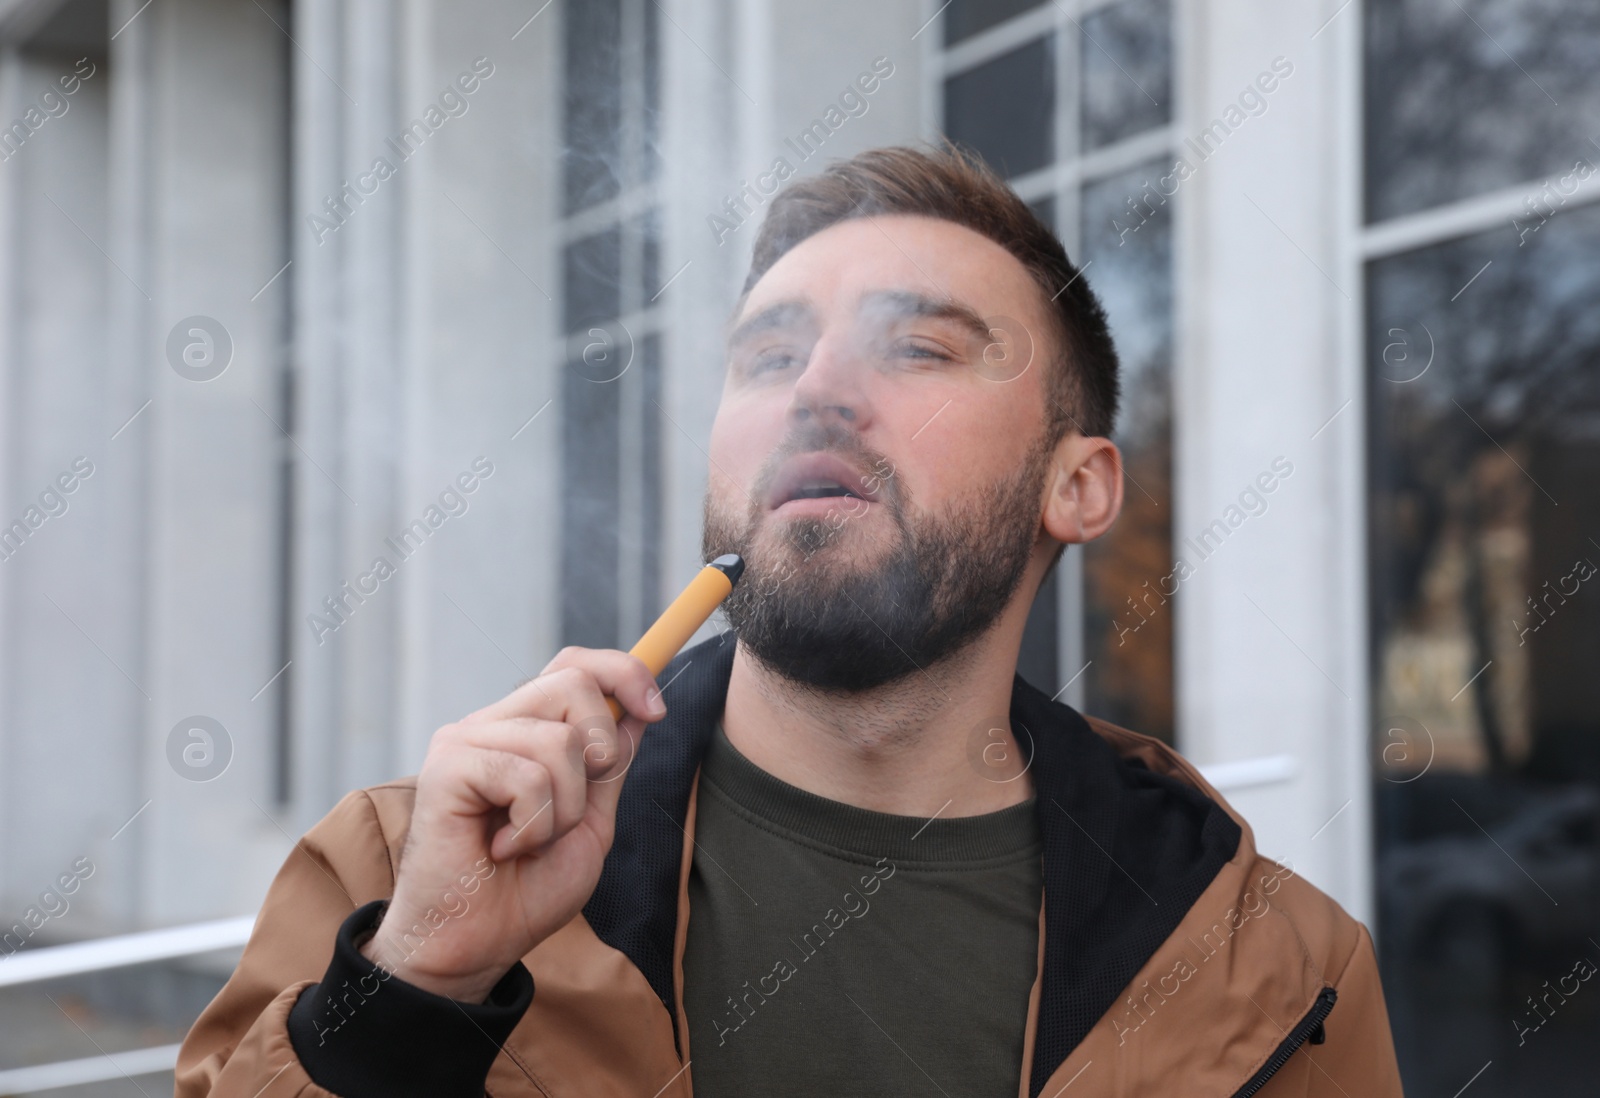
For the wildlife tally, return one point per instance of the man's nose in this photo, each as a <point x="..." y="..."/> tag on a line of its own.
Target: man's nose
<point x="830" y="390"/>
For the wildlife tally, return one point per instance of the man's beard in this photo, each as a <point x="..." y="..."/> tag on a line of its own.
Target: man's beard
<point x="813" y="618"/>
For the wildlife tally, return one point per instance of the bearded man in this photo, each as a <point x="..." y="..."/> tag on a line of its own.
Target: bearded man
<point x="847" y="850"/>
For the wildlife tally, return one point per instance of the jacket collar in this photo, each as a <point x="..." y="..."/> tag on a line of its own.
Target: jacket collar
<point x="1127" y="850"/>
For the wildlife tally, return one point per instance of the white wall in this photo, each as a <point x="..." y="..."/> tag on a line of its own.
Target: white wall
<point x="423" y="338"/>
<point x="66" y="708"/>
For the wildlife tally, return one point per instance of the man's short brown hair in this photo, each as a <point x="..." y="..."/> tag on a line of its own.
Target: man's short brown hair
<point x="953" y="184"/>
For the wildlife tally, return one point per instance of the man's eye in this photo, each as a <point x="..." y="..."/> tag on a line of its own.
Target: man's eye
<point x="923" y="350"/>
<point x="776" y="358"/>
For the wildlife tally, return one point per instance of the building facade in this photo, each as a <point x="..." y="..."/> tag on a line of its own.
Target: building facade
<point x="355" y="356"/>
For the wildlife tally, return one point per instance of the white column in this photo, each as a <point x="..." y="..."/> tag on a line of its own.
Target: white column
<point x="64" y="706"/>
<point x="1270" y="643"/>
<point x="484" y="348"/>
<point x="425" y="340"/>
<point x="319" y="342"/>
<point x="212" y="139"/>
<point x="349" y="239"/>
<point x="699" y="98"/>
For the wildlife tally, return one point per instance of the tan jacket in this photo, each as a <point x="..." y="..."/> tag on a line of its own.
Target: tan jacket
<point x="1233" y="1002"/>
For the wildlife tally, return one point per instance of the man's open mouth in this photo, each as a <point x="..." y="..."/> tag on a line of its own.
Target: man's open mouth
<point x="822" y="489"/>
<point x="819" y="475"/>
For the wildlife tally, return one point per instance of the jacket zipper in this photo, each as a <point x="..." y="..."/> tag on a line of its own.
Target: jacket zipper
<point x="1310" y="1028"/>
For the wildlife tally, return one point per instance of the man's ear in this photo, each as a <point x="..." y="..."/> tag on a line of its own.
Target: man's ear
<point x="1084" y="494"/>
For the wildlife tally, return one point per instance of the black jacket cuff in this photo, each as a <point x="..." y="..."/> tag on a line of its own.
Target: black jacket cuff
<point x="365" y="1033"/>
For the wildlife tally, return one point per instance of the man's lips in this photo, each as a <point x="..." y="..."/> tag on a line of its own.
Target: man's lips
<point x="819" y="476"/>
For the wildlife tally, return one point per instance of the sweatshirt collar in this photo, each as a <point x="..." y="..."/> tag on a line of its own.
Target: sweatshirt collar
<point x="845" y="830"/>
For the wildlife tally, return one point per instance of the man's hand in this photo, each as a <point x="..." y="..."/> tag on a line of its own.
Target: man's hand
<point x="515" y="811"/>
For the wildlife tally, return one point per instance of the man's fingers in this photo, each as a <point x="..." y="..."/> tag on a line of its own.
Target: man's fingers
<point x="605" y="789"/>
<point x="612" y="674"/>
<point x="515" y="783"/>
<point x="587" y="722"/>
<point x="609" y="673"/>
<point x="562" y="748"/>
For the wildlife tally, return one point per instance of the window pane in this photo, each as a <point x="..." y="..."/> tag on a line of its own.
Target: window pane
<point x="1038" y="661"/>
<point x="645" y="234"/>
<point x="589" y="503"/>
<point x="592" y="275"/>
<point x="1127" y="237"/>
<point x="964" y="18"/>
<point x="651" y="92"/>
<point x="1484" y="390"/>
<point x="1003" y="109"/>
<point x="592" y="95"/>
<point x="1464" y="98"/>
<point x="653" y="517"/>
<point x="1046" y="209"/>
<point x="1126" y="52"/>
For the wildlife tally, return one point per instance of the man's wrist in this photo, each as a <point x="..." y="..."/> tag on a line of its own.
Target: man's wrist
<point x="391" y="955"/>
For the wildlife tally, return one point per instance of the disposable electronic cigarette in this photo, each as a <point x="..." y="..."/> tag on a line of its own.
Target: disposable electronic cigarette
<point x="687" y="613"/>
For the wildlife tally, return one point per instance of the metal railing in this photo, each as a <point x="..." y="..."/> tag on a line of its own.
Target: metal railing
<point x="93" y="1069"/>
<point x="103" y="954"/>
<point x="99" y="954"/>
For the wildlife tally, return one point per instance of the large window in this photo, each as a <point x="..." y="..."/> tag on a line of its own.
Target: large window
<point x="611" y="280"/>
<point x="1483" y="376"/>
<point x="1073" y="104"/>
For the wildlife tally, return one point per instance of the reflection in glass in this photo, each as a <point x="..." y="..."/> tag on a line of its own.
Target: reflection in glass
<point x="1127" y="252"/>
<point x="1003" y="109"/>
<point x="1484" y="387"/>
<point x="1126" y="54"/>
<point x="1468" y="97"/>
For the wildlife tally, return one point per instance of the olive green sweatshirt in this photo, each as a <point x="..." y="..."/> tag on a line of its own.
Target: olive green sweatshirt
<point x="840" y="951"/>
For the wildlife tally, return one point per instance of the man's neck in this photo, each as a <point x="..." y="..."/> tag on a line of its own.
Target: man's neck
<point x="914" y="747"/>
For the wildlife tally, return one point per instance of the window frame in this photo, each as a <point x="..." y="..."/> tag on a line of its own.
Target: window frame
<point x="638" y="321"/>
<point x="1062" y="182"/>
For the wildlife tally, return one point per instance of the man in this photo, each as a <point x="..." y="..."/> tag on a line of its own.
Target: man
<point x="852" y="852"/>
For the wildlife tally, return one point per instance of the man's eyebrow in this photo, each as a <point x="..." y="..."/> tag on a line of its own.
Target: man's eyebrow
<point x="905" y="303"/>
<point x="777" y="315"/>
